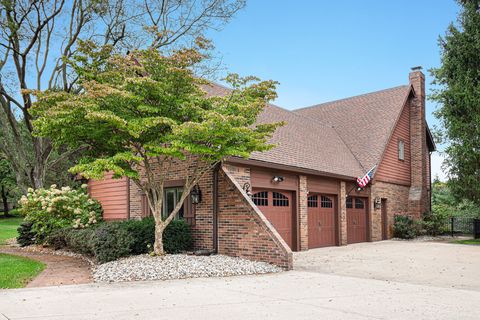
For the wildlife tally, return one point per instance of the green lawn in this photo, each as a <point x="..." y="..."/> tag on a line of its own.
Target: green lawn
<point x="8" y="228"/>
<point x="15" y="271"/>
<point x="469" y="241"/>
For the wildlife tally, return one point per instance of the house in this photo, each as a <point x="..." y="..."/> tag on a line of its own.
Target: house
<point x="302" y="194"/>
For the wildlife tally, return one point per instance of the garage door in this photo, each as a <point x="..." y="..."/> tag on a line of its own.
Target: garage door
<point x="356" y="220"/>
<point x="277" y="207"/>
<point x="321" y="221"/>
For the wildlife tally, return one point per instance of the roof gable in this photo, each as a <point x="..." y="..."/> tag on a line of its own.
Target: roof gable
<point x="365" y="123"/>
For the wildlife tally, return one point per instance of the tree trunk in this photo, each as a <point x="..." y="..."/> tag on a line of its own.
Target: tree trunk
<point x="158" y="245"/>
<point x="5" y="202"/>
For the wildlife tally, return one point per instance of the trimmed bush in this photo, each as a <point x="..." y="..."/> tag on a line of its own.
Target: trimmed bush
<point x="54" y="209"/>
<point x="110" y="242"/>
<point x="404" y="227"/>
<point x="434" y="224"/>
<point x="26" y="236"/>
<point x="177" y="237"/>
<point x="143" y="233"/>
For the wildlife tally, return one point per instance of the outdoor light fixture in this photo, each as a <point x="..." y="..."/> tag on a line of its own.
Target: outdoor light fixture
<point x="377" y="203"/>
<point x="196" y="195"/>
<point x="278" y="179"/>
<point x="246" y="188"/>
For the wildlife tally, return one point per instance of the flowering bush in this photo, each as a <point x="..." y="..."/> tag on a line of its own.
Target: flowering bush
<point x="53" y="209"/>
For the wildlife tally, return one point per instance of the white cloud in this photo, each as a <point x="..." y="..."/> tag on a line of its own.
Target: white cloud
<point x="437" y="161"/>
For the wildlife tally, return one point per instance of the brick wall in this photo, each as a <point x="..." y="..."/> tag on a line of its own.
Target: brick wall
<point x="202" y="226"/>
<point x="397" y="203"/>
<point x="303" y="212"/>
<point x="243" y="231"/>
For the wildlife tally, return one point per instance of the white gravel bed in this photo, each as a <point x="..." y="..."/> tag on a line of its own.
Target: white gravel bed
<point x="177" y="266"/>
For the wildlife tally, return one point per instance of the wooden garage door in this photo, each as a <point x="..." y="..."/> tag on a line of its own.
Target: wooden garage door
<point x="321" y="221"/>
<point x="356" y="220"/>
<point x="277" y="207"/>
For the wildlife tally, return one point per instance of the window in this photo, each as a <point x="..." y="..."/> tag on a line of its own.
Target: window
<point x="279" y="200"/>
<point x="349" y="203"/>
<point x="260" y="198"/>
<point x="312" y="201"/>
<point x="326" y="202"/>
<point x="401" y="150"/>
<point x="359" y="203"/>
<point x="171" y="197"/>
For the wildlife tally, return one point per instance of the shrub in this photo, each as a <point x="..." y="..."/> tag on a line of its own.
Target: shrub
<point x="80" y="240"/>
<point x="54" y="209"/>
<point x="404" y="227"/>
<point x="177" y="237"/>
<point x="26" y="236"/>
<point x="110" y="242"/>
<point x="434" y="224"/>
<point x="143" y="233"/>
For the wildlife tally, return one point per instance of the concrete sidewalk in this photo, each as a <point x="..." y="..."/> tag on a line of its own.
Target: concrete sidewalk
<point x="288" y="295"/>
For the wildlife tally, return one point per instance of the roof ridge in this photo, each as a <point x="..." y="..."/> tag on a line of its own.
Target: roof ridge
<point x="352" y="97"/>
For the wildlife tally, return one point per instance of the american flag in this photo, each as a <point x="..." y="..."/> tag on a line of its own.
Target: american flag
<point x="362" y="182"/>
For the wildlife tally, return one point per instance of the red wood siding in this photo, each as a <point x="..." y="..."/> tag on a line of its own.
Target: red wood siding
<point x="392" y="169"/>
<point x="263" y="179"/>
<point x="113" y="196"/>
<point x="323" y="185"/>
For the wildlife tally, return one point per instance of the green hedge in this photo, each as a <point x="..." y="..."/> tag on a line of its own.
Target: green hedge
<point x="110" y="241"/>
<point x="404" y="227"/>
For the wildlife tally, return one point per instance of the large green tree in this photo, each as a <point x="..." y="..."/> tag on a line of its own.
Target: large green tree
<point x="138" y="115"/>
<point x="458" y="95"/>
<point x="8" y="185"/>
<point x="37" y="37"/>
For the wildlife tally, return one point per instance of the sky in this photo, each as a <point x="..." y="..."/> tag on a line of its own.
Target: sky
<point x="322" y="50"/>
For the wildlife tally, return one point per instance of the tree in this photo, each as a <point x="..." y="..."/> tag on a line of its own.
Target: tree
<point x="458" y="95"/>
<point x="138" y="115"/>
<point x="38" y="37"/>
<point x="7" y="184"/>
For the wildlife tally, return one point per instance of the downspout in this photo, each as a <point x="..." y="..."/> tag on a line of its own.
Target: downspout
<point x="215" y="207"/>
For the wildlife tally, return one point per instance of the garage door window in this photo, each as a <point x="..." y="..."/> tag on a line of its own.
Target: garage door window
<point x="312" y="202"/>
<point x="359" y="204"/>
<point x="326" y="202"/>
<point x="260" y="198"/>
<point x="349" y="203"/>
<point x="279" y="200"/>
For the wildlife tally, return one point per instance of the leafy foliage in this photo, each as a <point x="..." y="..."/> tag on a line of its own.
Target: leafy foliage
<point x="26" y="236"/>
<point x="52" y="209"/>
<point x="404" y="227"/>
<point x="445" y="204"/>
<point x="110" y="241"/>
<point x="138" y="114"/>
<point x="8" y="186"/>
<point x="458" y="95"/>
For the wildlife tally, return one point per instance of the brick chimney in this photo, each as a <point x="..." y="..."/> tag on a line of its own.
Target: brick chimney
<point x="418" y="196"/>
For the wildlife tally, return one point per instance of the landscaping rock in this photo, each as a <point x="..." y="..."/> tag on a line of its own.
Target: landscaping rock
<point x="178" y="266"/>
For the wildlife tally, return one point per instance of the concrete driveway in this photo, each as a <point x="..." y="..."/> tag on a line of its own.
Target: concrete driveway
<point x="416" y="262"/>
<point x="310" y="292"/>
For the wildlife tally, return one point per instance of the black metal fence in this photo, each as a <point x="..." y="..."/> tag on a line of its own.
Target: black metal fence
<point x="464" y="226"/>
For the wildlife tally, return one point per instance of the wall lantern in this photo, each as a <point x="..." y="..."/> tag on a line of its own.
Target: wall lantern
<point x="377" y="203"/>
<point x="246" y="188"/>
<point x="196" y="195"/>
<point x="278" y="179"/>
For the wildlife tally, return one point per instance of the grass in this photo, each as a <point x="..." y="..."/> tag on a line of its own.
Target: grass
<point x="17" y="271"/>
<point x="468" y="241"/>
<point x="8" y="228"/>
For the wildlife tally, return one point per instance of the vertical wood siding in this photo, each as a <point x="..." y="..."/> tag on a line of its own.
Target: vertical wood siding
<point x="113" y="196"/>
<point x="391" y="169"/>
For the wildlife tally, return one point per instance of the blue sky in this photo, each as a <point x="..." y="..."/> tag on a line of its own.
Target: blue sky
<point x="323" y="50"/>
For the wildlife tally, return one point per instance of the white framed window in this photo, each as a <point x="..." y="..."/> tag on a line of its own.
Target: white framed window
<point x="401" y="150"/>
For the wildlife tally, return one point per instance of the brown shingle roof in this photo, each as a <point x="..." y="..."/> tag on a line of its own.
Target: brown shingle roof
<point x="363" y="122"/>
<point x="344" y="137"/>
<point x="305" y="143"/>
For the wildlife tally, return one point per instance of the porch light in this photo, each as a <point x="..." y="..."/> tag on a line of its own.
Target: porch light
<point x="246" y="188"/>
<point x="196" y="195"/>
<point x="278" y="179"/>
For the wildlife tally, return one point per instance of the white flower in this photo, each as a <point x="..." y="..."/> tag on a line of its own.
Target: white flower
<point x="30" y="190"/>
<point x="53" y="186"/>
<point x="84" y="186"/>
